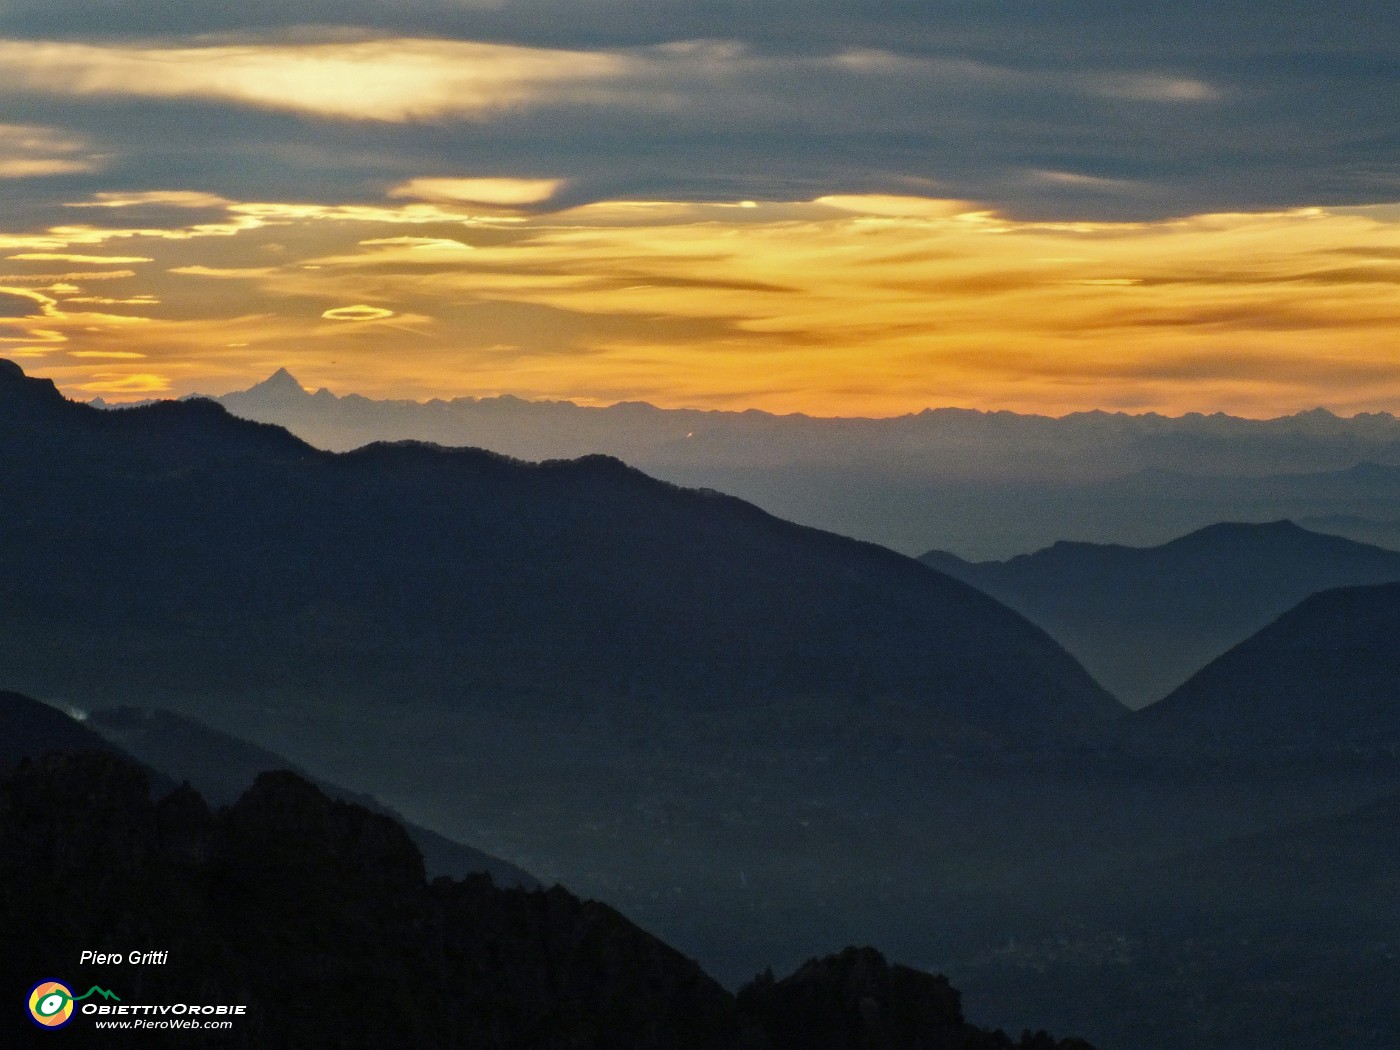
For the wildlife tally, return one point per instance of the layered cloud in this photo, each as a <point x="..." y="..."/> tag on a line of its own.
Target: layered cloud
<point x="381" y="79"/>
<point x="404" y="79"/>
<point x="828" y="205"/>
<point x="28" y="151"/>
<point x="846" y="304"/>
<point x="1011" y="109"/>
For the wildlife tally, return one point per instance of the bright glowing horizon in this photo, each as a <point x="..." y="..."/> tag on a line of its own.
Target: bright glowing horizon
<point x="841" y="306"/>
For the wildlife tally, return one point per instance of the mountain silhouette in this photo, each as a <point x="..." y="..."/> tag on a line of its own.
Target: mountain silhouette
<point x="196" y="551"/>
<point x="984" y="484"/>
<point x="314" y="916"/>
<point x="1142" y="620"/>
<point x="1323" y="677"/>
<point x="221" y="767"/>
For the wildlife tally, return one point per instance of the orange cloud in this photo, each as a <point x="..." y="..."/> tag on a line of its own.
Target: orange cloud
<point x="137" y="383"/>
<point x="357" y="313"/>
<point x="507" y="192"/>
<point x="848" y="304"/>
<point x="97" y="260"/>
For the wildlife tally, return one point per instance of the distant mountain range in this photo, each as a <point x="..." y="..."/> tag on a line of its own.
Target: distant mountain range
<point x="1143" y="620"/>
<point x="982" y="484"/>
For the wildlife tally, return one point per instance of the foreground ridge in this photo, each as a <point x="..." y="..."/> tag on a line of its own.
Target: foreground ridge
<point x="289" y="890"/>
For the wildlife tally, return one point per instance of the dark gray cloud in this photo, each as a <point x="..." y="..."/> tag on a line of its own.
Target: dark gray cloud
<point x="12" y="305"/>
<point x="1066" y="30"/>
<point x="1081" y="108"/>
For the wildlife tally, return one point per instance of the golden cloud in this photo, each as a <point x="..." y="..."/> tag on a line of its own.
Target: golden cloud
<point x="137" y="383"/>
<point x="402" y="79"/>
<point x="507" y="192"/>
<point x="419" y="244"/>
<point x="154" y="198"/>
<point x="848" y="304"/>
<point x="225" y="272"/>
<point x="391" y="79"/>
<point x="96" y="260"/>
<point x="887" y="205"/>
<point x="30" y="168"/>
<point x="357" y="313"/>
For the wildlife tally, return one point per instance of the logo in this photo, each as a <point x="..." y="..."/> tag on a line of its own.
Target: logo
<point x="51" y="1003"/>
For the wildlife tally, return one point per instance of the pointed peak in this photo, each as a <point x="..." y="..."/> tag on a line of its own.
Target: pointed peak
<point x="280" y="380"/>
<point x="281" y="388"/>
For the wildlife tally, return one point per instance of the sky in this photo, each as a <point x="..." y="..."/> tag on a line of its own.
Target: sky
<point x="840" y="207"/>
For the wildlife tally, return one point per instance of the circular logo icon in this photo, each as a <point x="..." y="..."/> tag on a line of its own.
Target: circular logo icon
<point x="51" y="1004"/>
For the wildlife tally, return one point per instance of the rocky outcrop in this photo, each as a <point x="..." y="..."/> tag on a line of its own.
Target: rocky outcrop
<point x="856" y="1000"/>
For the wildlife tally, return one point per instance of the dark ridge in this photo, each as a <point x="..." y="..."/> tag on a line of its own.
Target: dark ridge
<point x="1144" y="619"/>
<point x="221" y="767"/>
<point x="29" y="729"/>
<point x="30" y="408"/>
<point x="32" y="729"/>
<point x="237" y="561"/>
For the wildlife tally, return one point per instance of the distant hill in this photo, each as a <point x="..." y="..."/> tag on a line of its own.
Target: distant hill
<point x="315" y="918"/>
<point x="984" y="484"/>
<point x="1323" y="677"/>
<point x="1142" y="620"/>
<point x="221" y="767"/>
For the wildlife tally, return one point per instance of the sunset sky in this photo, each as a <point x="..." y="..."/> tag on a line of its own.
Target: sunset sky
<point x="842" y="207"/>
